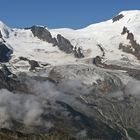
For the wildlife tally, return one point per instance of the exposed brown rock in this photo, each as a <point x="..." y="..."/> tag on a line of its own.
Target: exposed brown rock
<point x="134" y="47"/>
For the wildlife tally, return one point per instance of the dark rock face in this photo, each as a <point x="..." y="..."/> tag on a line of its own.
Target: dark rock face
<point x="97" y="60"/>
<point x="95" y="129"/>
<point x="78" y="53"/>
<point x="64" y="44"/>
<point x="134" y="48"/>
<point x="10" y="81"/>
<point x="7" y="82"/>
<point x="5" y="70"/>
<point x="0" y="35"/>
<point x="5" y="53"/>
<point x="23" y="58"/>
<point x="124" y="30"/>
<point x="102" y="50"/>
<point x="43" y="34"/>
<point x="117" y="18"/>
<point x="33" y="63"/>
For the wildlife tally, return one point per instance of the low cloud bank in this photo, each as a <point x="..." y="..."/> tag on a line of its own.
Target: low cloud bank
<point x="29" y="108"/>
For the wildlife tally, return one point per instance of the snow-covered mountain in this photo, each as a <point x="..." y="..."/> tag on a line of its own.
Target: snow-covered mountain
<point x="79" y="83"/>
<point x="101" y="39"/>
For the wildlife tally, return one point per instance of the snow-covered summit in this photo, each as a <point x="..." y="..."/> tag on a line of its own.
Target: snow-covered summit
<point x="5" y="30"/>
<point x="107" y="33"/>
<point x="100" y="39"/>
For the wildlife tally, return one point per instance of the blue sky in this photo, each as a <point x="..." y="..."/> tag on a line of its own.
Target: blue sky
<point x="61" y="13"/>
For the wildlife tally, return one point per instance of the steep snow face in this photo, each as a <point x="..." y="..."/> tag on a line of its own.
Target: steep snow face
<point x="5" y="30"/>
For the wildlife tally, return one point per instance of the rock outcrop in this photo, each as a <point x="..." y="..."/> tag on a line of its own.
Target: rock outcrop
<point x="0" y="34"/>
<point x="134" y="47"/>
<point x="33" y="63"/>
<point x="118" y="17"/>
<point x="7" y="79"/>
<point x="78" y="52"/>
<point x="43" y="34"/>
<point x="97" y="60"/>
<point x="5" y="52"/>
<point x="64" y="44"/>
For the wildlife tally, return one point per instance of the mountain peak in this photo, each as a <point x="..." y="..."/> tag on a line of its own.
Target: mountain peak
<point x="5" y="30"/>
<point x="130" y="12"/>
<point x="1" y="23"/>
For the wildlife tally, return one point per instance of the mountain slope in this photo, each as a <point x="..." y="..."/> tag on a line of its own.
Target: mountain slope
<point x="107" y="34"/>
<point x="93" y="41"/>
<point x="71" y="84"/>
